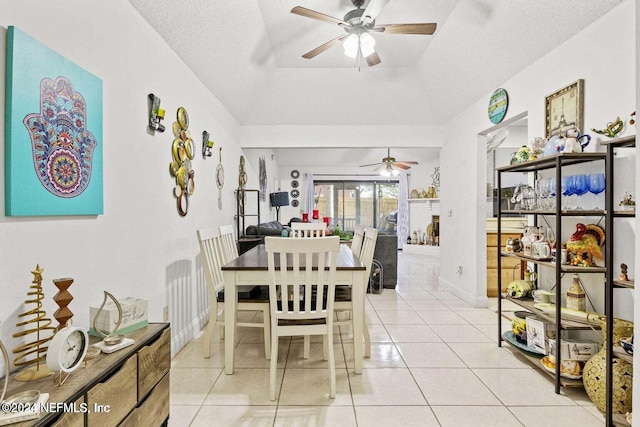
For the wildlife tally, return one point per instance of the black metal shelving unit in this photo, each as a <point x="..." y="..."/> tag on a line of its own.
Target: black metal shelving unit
<point x="556" y="162"/>
<point x="611" y="282"/>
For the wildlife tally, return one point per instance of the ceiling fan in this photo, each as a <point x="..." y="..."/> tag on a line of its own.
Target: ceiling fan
<point x="359" y="23"/>
<point x="390" y="166"/>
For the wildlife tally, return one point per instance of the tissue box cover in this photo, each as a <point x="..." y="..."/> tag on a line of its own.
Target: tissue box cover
<point x="134" y="316"/>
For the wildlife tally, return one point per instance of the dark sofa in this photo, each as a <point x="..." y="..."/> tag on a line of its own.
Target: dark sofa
<point x="273" y="228"/>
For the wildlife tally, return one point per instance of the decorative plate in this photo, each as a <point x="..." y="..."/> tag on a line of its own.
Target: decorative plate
<point x="510" y="337"/>
<point x="551" y="367"/>
<point x="295" y="183"/>
<point x="295" y="194"/>
<point x="295" y="174"/>
<point x="183" y="118"/>
<point x="295" y="203"/>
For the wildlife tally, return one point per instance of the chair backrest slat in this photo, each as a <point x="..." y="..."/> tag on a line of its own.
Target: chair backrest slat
<point x="228" y="244"/>
<point x="210" y="252"/>
<point x="368" y="247"/>
<point x="302" y="286"/>
<point x="356" y="242"/>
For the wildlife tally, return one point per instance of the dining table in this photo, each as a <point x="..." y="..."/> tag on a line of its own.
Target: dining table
<point x="251" y="268"/>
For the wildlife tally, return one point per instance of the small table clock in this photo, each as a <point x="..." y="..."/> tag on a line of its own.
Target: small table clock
<point x="67" y="350"/>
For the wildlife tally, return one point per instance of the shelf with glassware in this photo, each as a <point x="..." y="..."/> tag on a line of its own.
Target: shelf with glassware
<point x="525" y="204"/>
<point x="624" y="209"/>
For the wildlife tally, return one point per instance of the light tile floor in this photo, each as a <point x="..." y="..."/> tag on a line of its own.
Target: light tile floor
<point x="434" y="362"/>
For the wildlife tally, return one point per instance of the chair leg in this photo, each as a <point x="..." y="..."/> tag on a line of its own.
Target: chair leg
<point x="332" y="365"/>
<point x="367" y="339"/>
<point x="211" y="327"/>
<point x="325" y="348"/>
<point x="307" y="346"/>
<point x="273" y="371"/>
<point x="266" y="318"/>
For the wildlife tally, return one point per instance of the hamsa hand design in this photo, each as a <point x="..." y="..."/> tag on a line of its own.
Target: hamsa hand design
<point x="62" y="147"/>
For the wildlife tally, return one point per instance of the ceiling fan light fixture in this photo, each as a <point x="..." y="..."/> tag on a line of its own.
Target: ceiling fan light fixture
<point x="367" y="43"/>
<point x="389" y="171"/>
<point x="351" y="45"/>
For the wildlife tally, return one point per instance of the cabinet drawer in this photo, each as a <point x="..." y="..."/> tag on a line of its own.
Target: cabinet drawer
<point x="154" y="362"/>
<point x="71" y="419"/>
<point x="119" y="392"/>
<point x="492" y="239"/>
<point x="154" y="410"/>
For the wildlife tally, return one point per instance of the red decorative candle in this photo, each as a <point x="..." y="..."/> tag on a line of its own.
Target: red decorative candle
<point x="315" y="214"/>
<point x="326" y="220"/>
<point x="305" y="217"/>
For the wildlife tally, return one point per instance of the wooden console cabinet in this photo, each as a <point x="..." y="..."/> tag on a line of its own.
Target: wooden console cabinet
<point x="132" y="383"/>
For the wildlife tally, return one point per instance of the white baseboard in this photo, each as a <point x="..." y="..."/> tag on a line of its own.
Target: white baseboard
<point x="181" y="338"/>
<point x="480" y="301"/>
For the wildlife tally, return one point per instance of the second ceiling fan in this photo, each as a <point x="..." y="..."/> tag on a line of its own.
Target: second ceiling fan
<point x="390" y="166"/>
<point x="358" y="24"/>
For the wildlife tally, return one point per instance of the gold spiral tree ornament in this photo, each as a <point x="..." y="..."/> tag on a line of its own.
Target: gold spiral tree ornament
<point x="37" y="322"/>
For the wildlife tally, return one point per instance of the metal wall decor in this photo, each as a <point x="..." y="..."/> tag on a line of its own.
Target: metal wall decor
<point x="295" y="193"/>
<point x="242" y="183"/>
<point x="565" y="109"/>
<point x="180" y="166"/>
<point x="207" y="145"/>
<point x="220" y="178"/>
<point x="155" y="114"/>
<point x="295" y="184"/>
<point x="263" y="178"/>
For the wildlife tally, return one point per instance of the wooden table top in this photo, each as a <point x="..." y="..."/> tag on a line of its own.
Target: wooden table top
<point x="256" y="259"/>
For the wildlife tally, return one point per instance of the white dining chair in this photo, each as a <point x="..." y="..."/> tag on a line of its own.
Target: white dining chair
<point x="228" y="241"/>
<point x="308" y="229"/>
<point x="250" y="298"/>
<point x="356" y="242"/>
<point x="300" y="296"/>
<point x="344" y="301"/>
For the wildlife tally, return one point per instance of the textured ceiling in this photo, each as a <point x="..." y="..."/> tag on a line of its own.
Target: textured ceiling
<point x="248" y="53"/>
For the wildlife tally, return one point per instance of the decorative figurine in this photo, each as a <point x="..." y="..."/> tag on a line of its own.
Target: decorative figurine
<point x="623" y="273"/>
<point x="612" y="129"/>
<point x="585" y="245"/>
<point x="34" y="351"/>
<point x="62" y="298"/>
<point x="627" y="202"/>
<point x="111" y="341"/>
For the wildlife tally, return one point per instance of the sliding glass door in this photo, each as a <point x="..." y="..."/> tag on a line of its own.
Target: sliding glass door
<point x="351" y="203"/>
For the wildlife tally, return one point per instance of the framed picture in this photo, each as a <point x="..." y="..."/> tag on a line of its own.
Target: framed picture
<point x="565" y="109"/>
<point x="53" y="132"/>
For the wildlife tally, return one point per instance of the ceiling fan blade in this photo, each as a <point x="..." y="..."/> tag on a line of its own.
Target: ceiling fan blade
<point x="317" y="51"/>
<point x="372" y="164"/>
<point x="373" y="9"/>
<point x="401" y="166"/>
<point x="373" y="59"/>
<point x="303" y="11"/>
<point x="407" y="162"/>
<point x="425" y="29"/>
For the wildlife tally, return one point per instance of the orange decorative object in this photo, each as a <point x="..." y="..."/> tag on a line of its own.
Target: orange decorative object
<point x="62" y="298"/>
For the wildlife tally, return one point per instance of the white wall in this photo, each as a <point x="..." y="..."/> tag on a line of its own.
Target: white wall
<point x="609" y="92"/>
<point x="140" y="246"/>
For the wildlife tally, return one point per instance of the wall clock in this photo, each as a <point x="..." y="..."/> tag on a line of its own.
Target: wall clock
<point x="498" y="104"/>
<point x="67" y="350"/>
